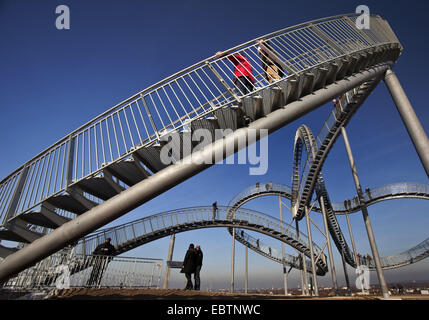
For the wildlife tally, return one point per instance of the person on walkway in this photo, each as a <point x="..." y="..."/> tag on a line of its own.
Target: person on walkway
<point x="368" y="259"/>
<point x="244" y="80"/>
<point x="368" y="192"/>
<point x="189" y="266"/>
<point x="199" y="264"/>
<point x="102" y="255"/>
<point x="273" y="70"/>
<point x="214" y="210"/>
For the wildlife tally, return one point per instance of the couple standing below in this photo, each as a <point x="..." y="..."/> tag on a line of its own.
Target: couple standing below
<point x="192" y="265"/>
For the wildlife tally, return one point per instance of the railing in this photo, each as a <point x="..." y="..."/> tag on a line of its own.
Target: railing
<point x="172" y="103"/>
<point x="129" y="233"/>
<point x="260" y="188"/>
<point x="322" y="137"/>
<point x="412" y="189"/>
<point x="65" y="270"/>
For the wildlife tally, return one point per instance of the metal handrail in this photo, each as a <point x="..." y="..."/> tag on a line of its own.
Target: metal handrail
<point x="88" y="271"/>
<point x="193" y="93"/>
<point x="132" y="231"/>
<point x="378" y="194"/>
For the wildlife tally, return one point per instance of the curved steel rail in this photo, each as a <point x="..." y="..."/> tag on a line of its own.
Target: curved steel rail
<point x="133" y="234"/>
<point x="393" y="191"/>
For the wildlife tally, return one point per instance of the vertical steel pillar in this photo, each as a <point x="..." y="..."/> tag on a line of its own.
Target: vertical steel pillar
<point x="169" y="258"/>
<point x="299" y="256"/>
<point x="232" y="260"/>
<point x="310" y="242"/>
<point x="409" y="117"/>
<point x="304" y="279"/>
<point x="365" y="215"/>
<point x="354" y="246"/>
<point x="283" y="247"/>
<point x="246" y="274"/>
<point x="328" y="241"/>
<point x="346" y="275"/>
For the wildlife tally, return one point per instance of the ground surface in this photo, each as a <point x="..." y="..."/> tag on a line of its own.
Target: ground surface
<point x="158" y="294"/>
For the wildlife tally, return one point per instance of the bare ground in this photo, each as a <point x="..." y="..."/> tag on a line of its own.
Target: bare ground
<point x="160" y="294"/>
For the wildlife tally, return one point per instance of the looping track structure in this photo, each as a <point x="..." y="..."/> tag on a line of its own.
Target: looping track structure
<point x="374" y="195"/>
<point x="113" y="164"/>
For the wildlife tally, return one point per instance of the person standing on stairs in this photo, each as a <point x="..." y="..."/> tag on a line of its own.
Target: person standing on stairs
<point x="244" y="80"/>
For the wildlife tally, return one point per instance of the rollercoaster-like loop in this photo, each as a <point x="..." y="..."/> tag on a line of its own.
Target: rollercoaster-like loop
<point x="373" y="196"/>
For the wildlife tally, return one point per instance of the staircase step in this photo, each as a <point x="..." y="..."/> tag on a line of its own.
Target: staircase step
<point x="321" y="77"/>
<point x="333" y="69"/>
<point x="150" y="156"/>
<point x="230" y="117"/>
<point x="206" y="130"/>
<point x="5" y="251"/>
<point x="308" y="87"/>
<point x="253" y="107"/>
<point x="127" y="171"/>
<point x="19" y="232"/>
<point x="68" y="203"/>
<point x="45" y="217"/>
<point x="98" y="187"/>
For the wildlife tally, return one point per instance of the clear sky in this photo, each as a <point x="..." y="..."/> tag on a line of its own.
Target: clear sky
<point x="53" y="81"/>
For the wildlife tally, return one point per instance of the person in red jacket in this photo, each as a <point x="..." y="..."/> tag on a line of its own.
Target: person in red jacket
<point x="244" y="79"/>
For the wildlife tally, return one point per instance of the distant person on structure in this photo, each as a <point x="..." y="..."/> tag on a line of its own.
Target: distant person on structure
<point x="368" y="259"/>
<point x="368" y="192"/>
<point x="102" y="255"/>
<point x="199" y="264"/>
<point x="273" y="70"/>
<point x="189" y="266"/>
<point x="214" y="210"/>
<point x="243" y="72"/>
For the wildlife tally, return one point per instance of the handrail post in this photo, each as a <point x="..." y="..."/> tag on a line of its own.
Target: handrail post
<point x="222" y="81"/>
<point x="70" y="161"/>
<point x="16" y="195"/>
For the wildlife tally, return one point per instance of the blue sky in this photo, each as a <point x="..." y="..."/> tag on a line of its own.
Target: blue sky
<point x="53" y="81"/>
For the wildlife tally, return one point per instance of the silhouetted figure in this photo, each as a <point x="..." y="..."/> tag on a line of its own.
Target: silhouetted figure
<point x="199" y="264"/>
<point x="189" y="266"/>
<point x="368" y="192"/>
<point x="102" y="256"/>
<point x="214" y="210"/>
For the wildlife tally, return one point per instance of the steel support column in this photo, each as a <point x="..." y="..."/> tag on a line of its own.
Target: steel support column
<point x="283" y="247"/>
<point x="409" y="117"/>
<point x="328" y="240"/>
<point x="365" y="215"/>
<point x="169" y="258"/>
<point x="310" y="242"/>
<point x="246" y="274"/>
